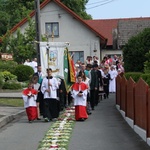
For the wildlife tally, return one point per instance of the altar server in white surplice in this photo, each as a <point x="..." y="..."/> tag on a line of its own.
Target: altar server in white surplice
<point x="112" y="82"/>
<point x="79" y="93"/>
<point x="29" y="96"/>
<point x="49" y="89"/>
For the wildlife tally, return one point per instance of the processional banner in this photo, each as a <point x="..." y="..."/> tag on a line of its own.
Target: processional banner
<point x="55" y="55"/>
<point x="54" y="51"/>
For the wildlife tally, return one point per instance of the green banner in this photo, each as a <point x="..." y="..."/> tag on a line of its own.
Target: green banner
<point x="68" y="83"/>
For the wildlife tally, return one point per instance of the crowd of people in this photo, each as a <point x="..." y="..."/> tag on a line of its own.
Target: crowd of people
<point x="47" y="96"/>
<point x="99" y="77"/>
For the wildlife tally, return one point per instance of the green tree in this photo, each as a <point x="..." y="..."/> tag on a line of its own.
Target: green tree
<point x="134" y="51"/>
<point x="147" y="62"/>
<point x="78" y="6"/>
<point x="18" y="10"/>
<point x="12" y="12"/>
<point x="21" y="45"/>
<point x="4" y="22"/>
<point x="4" y="18"/>
<point x="5" y="43"/>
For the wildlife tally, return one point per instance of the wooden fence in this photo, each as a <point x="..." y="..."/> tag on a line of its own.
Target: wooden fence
<point x="133" y="98"/>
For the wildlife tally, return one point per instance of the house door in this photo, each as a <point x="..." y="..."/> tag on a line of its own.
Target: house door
<point x="78" y="55"/>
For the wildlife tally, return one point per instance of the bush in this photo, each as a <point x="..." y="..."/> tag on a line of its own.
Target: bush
<point x="23" y="72"/>
<point x="8" y="76"/>
<point x="1" y="81"/>
<point x="12" y="85"/>
<point x="147" y="63"/>
<point x="146" y="78"/>
<point x="8" y="66"/>
<point x="134" y="51"/>
<point x="24" y="84"/>
<point x="135" y="75"/>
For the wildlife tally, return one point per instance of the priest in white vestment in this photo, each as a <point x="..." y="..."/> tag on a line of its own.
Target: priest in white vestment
<point x="112" y="82"/>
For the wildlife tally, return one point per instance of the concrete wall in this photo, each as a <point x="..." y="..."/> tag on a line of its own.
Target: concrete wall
<point x="110" y="52"/>
<point x="129" y="28"/>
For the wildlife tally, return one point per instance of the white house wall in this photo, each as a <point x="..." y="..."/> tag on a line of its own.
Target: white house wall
<point x="22" y="29"/>
<point x="110" y="52"/>
<point x="71" y="30"/>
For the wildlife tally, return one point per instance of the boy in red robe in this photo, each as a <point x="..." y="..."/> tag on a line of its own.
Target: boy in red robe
<point x="29" y="96"/>
<point x="79" y="93"/>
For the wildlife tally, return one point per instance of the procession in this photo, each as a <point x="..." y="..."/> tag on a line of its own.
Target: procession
<point x="74" y="76"/>
<point x="47" y="95"/>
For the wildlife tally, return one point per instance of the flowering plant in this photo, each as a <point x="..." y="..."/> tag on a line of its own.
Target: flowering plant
<point x="57" y="137"/>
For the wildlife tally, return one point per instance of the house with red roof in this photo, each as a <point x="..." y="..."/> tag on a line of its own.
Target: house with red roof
<point x="118" y="32"/>
<point x="66" y="26"/>
<point x="86" y="37"/>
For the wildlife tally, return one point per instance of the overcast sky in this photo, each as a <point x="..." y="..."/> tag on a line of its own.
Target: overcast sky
<point x="109" y="9"/>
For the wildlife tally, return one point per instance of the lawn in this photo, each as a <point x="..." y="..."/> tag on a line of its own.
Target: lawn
<point x="11" y="102"/>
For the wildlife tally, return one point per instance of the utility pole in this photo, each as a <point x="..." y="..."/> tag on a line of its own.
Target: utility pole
<point x="38" y="29"/>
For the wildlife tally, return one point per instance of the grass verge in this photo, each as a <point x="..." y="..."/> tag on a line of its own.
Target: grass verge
<point x="11" y="102"/>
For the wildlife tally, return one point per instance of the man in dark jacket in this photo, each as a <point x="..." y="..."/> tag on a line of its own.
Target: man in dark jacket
<point x="100" y="83"/>
<point x="93" y="85"/>
<point x="106" y="78"/>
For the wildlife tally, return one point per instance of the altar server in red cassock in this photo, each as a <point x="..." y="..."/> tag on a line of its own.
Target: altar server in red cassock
<point x="29" y="96"/>
<point x="79" y="93"/>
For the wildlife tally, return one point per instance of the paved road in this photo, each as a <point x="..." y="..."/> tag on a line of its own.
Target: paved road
<point x="104" y="130"/>
<point x="21" y="135"/>
<point x="15" y="131"/>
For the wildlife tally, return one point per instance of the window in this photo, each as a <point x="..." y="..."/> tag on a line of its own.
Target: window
<point x="78" y="55"/>
<point x="52" y="28"/>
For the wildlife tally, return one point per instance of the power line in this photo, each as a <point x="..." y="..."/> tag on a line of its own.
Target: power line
<point x="97" y="2"/>
<point x="100" y="4"/>
<point x="106" y="2"/>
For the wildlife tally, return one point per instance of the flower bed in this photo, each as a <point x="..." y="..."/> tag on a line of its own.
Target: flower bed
<point x="58" y="136"/>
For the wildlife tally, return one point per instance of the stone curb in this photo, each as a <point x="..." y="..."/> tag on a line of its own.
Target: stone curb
<point x="7" y="119"/>
<point x="8" y="97"/>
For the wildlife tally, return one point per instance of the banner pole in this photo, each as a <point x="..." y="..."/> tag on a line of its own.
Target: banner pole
<point x="47" y="50"/>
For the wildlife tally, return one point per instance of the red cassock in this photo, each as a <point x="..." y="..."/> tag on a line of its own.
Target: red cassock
<point x="31" y="113"/>
<point x="80" y="112"/>
<point x="30" y="103"/>
<point x="80" y="102"/>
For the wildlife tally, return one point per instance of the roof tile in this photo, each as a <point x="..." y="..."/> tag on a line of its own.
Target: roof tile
<point x="106" y="26"/>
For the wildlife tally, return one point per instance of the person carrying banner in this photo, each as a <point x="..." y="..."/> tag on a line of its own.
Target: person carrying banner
<point x="49" y="89"/>
<point x="79" y="94"/>
<point x="29" y="96"/>
<point x="40" y="102"/>
<point x="62" y="92"/>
